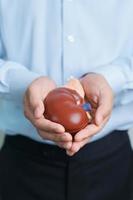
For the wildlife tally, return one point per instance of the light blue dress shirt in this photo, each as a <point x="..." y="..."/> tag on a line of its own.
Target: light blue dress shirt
<point x="60" y="38"/>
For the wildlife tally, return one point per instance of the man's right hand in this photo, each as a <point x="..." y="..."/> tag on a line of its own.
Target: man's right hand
<point x="34" y="109"/>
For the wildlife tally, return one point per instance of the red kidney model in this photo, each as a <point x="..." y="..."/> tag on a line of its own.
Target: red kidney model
<point x="64" y="105"/>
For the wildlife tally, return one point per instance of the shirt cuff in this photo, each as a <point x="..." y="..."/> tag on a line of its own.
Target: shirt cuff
<point x="15" y="78"/>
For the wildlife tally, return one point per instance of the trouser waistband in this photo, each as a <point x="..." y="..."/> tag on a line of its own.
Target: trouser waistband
<point x="92" y="150"/>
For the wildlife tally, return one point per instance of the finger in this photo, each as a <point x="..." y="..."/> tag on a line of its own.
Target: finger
<point x="28" y="113"/>
<point x="89" y="131"/>
<point x="76" y="146"/>
<point x="49" y="126"/>
<point x="39" y="110"/>
<point x="43" y="124"/>
<point x="37" y="107"/>
<point x="55" y="137"/>
<point x="35" y="103"/>
<point x="93" y="100"/>
<point x="65" y="145"/>
<point x="105" y="107"/>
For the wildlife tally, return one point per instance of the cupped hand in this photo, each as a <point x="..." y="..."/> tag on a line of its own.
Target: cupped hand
<point x="34" y="111"/>
<point x="99" y="93"/>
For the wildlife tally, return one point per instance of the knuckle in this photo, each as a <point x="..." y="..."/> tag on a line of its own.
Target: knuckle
<point x="56" y="138"/>
<point x="36" y="124"/>
<point x="43" y="135"/>
<point x="51" y="127"/>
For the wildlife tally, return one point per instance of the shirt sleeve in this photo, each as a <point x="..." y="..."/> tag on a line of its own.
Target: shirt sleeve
<point x="14" y="78"/>
<point x="119" y="74"/>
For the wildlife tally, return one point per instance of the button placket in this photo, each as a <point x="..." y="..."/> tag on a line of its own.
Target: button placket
<point x="69" y="38"/>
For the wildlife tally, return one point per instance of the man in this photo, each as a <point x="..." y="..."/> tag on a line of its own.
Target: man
<point x="43" y="43"/>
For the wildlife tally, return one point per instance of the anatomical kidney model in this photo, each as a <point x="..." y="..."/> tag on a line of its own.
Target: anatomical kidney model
<point x="66" y="106"/>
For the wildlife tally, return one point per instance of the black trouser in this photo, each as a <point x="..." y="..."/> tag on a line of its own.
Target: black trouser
<point x="99" y="171"/>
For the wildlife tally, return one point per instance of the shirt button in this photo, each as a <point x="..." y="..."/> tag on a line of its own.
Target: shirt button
<point x="71" y="38"/>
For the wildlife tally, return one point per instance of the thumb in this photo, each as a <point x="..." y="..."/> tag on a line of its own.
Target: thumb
<point x="104" y="109"/>
<point x="38" y="109"/>
<point x="100" y="113"/>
